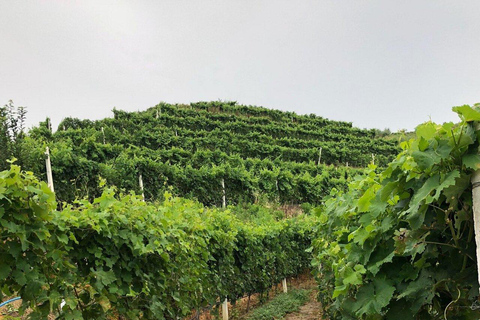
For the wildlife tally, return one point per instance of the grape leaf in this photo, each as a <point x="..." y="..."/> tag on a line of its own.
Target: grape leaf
<point x="467" y="113"/>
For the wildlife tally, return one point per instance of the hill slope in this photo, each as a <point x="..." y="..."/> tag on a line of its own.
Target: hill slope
<point x="259" y="153"/>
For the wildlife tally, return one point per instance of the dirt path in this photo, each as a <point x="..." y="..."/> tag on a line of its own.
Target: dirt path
<point x="312" y="310"/>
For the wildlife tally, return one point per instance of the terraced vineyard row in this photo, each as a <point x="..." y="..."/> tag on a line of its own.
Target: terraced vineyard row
<point x="260" y="154"/>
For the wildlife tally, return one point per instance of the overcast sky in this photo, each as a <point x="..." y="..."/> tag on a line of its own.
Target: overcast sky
<point x="377" y="64"/>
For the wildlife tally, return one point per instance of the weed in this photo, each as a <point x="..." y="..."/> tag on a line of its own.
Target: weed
<point x="281" y="305"/>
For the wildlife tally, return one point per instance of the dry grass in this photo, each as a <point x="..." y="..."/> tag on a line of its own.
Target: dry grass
<point x="10" y="311"/>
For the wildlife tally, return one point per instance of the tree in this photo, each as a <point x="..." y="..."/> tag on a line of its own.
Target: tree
<point x="12" y="126"/>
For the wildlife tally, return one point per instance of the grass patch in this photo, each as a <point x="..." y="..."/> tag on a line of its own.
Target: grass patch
<point x="281" y="305"/>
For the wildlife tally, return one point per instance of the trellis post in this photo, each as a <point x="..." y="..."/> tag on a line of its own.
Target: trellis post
<point x="476" y="209"/>
<point x="224" y="198"/>
<point x="140" y="182"/>
<point x="48" y="165"/>
<point x="284" y="285"/>
<point x="225" y="309"/>
<point x="319" y="155"/>
<point x="49" y="170"/>
<point x="103" y="133"/>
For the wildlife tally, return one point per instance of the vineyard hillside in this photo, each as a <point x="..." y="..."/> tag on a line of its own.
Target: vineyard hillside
<point x="189" y="150"/>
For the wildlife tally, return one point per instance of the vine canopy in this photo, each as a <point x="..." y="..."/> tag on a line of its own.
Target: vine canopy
<point x="400" y="244"/>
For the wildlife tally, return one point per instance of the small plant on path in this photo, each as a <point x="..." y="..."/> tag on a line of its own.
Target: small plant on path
<point x="282" y="304"/>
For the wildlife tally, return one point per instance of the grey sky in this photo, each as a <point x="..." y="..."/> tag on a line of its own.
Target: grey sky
<point x="375" y="63"/>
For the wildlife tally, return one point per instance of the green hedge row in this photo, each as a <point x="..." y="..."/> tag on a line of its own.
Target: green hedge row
<point x="121" y="257"/>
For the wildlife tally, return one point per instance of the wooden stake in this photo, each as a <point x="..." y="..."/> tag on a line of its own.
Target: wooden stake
<point x="373" y="158"/>
<point x="49" y="170"/>
<point x="319" y="155"/>
<point x="224" y="198"/>
<point x="140" y="182"/>
<point x="284" y="285"/>
<point x="225" y="309"/>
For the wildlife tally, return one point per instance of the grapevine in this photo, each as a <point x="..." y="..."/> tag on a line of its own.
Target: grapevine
<point x="399" y="244"/>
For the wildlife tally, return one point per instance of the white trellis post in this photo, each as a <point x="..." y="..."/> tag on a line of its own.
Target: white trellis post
<point x="48" y="165"/>
<point x="103" y="133"/>
<point x="278" y="189"/>
<point x="225" y="309"/>
<point x="476" y="210"/>
<point x="319" y="155"/>
<point x="284" y="285"/>
<point x="140" y="182"/>
<point x="224" y="198"/>
<point x="373" y="158"/>
<point x="49" y="170"/>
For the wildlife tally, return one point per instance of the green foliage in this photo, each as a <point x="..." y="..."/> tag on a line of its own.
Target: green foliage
<point x="12" y="125"/>
<point x="399" y="244"/>
<point x="120" y="256"/>
<point x="261" y="154"/>
<point x="280" y="305"/>
<point x="32" y="261"/>
<point x="257" y="214"/>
